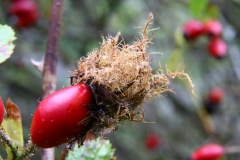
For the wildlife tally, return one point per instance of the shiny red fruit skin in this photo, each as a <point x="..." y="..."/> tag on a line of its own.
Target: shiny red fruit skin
<point x="57" y="118"/>
<point x="193" y="29"/>
<point x="213" y="29"/>
<point x="1" y="110"/>
<point x="215" y="96"/>
<point x="217" y="48"/>
<point x="208" y="152"/>
<point x="152" y="141"/>
<point x="25" y="11"/>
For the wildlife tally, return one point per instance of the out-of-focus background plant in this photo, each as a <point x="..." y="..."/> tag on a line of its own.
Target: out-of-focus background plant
<point x="182" y="121"/>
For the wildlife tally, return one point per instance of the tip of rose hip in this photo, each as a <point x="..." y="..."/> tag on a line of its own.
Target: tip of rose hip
<point x="220" y="57"/>
<point x="186" y="37"/>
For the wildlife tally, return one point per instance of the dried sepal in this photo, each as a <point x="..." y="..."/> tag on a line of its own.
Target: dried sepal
<point x="121" y="79"/>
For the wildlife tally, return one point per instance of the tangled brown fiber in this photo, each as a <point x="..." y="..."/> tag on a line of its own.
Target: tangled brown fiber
<point x="121" y="79"/>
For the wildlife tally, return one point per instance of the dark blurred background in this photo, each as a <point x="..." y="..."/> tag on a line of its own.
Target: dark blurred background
<point x="177" y="117"/>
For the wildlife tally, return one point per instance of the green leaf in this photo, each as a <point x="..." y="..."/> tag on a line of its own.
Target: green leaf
<point x="197" y="7"/>
<point x="12" y="126"/>
<point x="212" y="12"/>
<point x="92" y="150"/>
<point x="7" y="36"/>
<point x="179" y="39"/>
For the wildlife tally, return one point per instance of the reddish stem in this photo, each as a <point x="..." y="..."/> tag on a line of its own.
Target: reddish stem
<point x="51" y="57"/>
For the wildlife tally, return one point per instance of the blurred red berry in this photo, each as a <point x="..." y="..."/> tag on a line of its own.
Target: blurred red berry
<point x="25" y="11"/>
<point x="215" y="96"/>
<point x="213" y="99"/>
<point x="213" y="28"/>
<point x="208" y="152"/>
<point x="152" y="141"/>
<point x="193" y="29"/>
<point x="1" y="110"/>
<point x="217" y="48"/>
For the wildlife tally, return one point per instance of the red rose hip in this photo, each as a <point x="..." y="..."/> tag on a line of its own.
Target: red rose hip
<point x="192" y="29"/>
<point x="208" y="152"/>
<point x="25" y="11"/>
<point x="217" y="48"/>
<point x="152" y="141"/>
<point x="1" y="110"/>
<point x="215" y="96"/>
<point x="213" y="99"/>
<point x="57" y="118"/>
<point x="213" y="29"/>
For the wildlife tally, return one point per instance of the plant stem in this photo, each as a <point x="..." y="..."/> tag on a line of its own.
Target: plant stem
<point x="65" y="152"/>
<point x="8" y="142"/>
<point x="50" y="60"/>
<point x="26" y="151"/>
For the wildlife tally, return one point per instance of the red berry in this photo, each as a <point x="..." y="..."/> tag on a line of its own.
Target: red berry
<point x="192" y="29"/>
<point x="25" y="11"/>
<point x="215" y="96"/>
<point x="208" y="152"/>
<point x="1" y="110"/>
<point x="152" y="141"/>
<point x="217" y="48"/>
<point x="213" y="28"/>
<point x="57" y="118"/>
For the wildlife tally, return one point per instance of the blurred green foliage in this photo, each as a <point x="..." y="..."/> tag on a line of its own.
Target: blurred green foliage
<point x="6" y="39"/>
<point x="197" y="8"/>
<point x="92" y="150"/>
<point x="175" y="114"/>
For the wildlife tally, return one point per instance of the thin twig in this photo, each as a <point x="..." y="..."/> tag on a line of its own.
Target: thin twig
<point x="65" y="152"/>
<point x="233" y="53"/>
<point x="50" y="61"/>
<point x="232" y="149"/>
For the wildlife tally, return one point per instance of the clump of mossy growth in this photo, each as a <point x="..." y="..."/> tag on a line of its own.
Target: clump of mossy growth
<point x="121" y="79"/>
